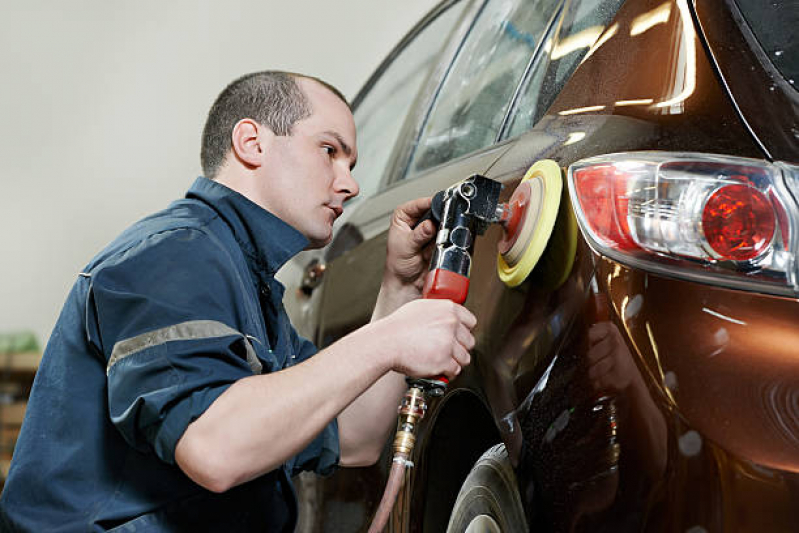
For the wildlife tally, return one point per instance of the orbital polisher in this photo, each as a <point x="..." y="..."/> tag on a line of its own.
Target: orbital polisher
<point x="463" y="212"/>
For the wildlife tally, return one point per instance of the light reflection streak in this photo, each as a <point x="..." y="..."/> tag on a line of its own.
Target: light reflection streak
<point x="650" y="19"/>
<point x="780" y="401"/>
<point x="578" y="110"/>
<point x="689" y="46"/>
<point x="723" y="317"/>
<point x="640" y="354"/>
<point x="641" y="101"/>
<point x="574" y="137"/>
<point x="656" y="354"/>
<point x="572" y="43"/>
<point x="624" y="303"/>
<point x="602" y="40"/>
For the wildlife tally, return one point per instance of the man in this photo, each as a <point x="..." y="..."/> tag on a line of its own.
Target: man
<point x="174" y="394"/>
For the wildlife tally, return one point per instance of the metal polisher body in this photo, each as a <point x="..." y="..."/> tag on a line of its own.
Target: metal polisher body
<point x="467" y="209"/>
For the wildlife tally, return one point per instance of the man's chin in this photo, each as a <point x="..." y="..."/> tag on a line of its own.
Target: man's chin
<point x="316" y="243"/>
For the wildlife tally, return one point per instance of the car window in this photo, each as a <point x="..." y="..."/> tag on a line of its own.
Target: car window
<point x="584" y="22"/>
<point x="473" y="99"/>
<point x="775" y="26"/>
<point x="379" y="115"/>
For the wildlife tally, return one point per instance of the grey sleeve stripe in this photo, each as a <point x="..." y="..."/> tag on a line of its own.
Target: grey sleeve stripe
<point x="192" y="330"/>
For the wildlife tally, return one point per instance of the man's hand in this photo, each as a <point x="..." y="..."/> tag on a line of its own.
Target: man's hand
<point x="611" y="368"/>
<point x="431" y="337"/>
<point x="409" y="248"/>
<point x="423" y="339"/>
<point x="407" y="258"/>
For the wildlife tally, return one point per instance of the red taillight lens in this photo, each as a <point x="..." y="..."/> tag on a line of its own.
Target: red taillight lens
<point x="602" y="193"/>
<point x="723" y="220"/>
<point x="738" y="222"/>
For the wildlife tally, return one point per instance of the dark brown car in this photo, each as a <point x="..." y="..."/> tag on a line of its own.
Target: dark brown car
<point x="645" y="376"/>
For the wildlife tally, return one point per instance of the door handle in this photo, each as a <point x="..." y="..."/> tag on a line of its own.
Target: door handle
<point x="312" y="276"/>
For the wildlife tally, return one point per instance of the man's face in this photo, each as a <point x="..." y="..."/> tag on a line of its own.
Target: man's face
<point x="307" y="174"/>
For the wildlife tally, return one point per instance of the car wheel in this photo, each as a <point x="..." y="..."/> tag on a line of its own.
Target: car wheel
<point x="489" y="501"/>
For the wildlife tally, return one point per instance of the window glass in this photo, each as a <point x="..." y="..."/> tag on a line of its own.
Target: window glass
<point x="776" y="26"/>
<point x="584" y="21"/>
<point x="381" y="113"/>
<point x="473" y="99"/>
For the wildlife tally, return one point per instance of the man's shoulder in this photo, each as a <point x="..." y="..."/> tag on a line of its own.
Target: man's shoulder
<point x="186" y="232"/>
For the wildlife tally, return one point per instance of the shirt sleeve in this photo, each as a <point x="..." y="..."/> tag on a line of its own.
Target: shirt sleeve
<point x="166" y="313"/>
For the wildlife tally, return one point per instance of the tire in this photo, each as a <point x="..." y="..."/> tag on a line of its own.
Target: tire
<point x="489" y="500"/>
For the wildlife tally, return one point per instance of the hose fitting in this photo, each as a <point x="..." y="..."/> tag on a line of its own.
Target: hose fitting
<point x="411" y="411"/>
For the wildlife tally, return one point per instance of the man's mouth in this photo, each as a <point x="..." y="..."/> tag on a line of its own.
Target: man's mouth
<point x="337" y="210"/>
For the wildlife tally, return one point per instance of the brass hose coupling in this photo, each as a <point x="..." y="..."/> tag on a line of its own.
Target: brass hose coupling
<point x="411" y="411"/>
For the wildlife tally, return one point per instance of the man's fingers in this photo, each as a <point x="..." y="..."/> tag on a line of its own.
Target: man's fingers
<point x="599" y="331"/>
<point x="454" y="370"/>
<point x="596" y="371"/>
<point x="465" y="337"/>
<point x="461" y="354"/>
<point x="427" y="254"/>
<point x="466" y="317"/>
<point x="602" y="349"/>
<point x="423" y="233"/>
<point x="411" y="211"/>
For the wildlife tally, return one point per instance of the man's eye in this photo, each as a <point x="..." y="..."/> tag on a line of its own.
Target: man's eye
<point x="329" y="149"/>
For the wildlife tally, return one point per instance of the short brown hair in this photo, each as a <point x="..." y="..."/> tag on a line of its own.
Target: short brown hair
<point x="272" y="98"/>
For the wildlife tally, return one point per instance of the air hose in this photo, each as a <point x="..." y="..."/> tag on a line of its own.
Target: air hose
<point x="411" y="411"/>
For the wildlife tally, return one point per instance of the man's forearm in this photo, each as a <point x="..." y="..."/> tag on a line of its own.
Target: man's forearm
<point x="366" y="424"/>
<point x="368" y="421"/>
<point x="393" y="295"/>
<point x="262" y="421"/>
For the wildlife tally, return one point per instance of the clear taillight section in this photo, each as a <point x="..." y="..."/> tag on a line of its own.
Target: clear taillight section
<point x="722" y="220"/>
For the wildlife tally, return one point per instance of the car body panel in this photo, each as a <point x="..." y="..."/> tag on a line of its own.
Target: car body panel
<point x="701" y="432"/>
<point x="772" y="114"/>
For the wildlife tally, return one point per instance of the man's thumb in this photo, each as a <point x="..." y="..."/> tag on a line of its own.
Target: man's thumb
<point x="423" y="233"/>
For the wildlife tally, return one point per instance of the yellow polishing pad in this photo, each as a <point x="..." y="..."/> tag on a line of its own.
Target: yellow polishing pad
<point x="538" y="198"/>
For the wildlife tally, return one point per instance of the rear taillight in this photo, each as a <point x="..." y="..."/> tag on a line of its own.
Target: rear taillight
<point x="722" y="220"/>
<point x="738" y="222"/>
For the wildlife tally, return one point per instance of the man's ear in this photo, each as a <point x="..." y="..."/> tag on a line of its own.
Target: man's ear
<point x="246" y="142"/>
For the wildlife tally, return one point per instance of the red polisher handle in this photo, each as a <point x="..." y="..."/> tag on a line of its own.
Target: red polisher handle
<point x="443" y="284"/>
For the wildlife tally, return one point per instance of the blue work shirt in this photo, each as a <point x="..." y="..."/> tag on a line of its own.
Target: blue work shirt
<point x="175" y="310"/>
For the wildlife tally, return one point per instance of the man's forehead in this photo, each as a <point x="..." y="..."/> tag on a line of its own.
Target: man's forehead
<point x="318" y="93"/>
<point x="330" y="114"/>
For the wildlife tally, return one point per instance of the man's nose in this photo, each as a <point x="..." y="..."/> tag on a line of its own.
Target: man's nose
<point x="346" y="184"/>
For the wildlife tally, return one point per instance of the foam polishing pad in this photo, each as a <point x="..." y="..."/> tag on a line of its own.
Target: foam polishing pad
<point x="534" y="208"/>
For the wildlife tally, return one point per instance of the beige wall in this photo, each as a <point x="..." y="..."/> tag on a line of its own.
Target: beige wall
<point x="102" y="103"/>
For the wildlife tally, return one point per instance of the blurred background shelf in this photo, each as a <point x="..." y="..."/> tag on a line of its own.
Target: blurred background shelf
<point x="23" y="362"/>
<point x="19" y="359"/>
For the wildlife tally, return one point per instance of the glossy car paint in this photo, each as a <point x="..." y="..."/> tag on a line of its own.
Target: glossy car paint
<point x="699" y="427"/>
<point x="770" y="107"/>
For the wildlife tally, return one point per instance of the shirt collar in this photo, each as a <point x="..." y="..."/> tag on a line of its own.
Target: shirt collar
<point x="266" y="240"/>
